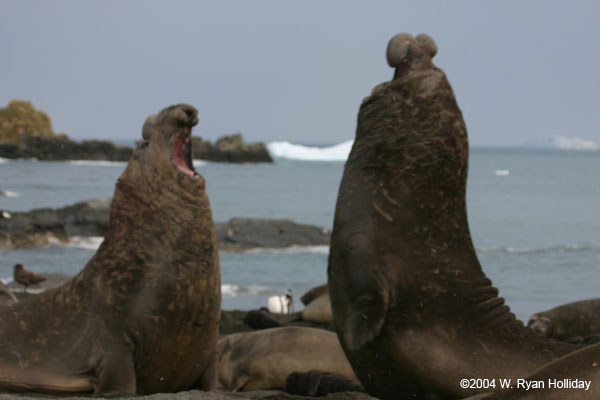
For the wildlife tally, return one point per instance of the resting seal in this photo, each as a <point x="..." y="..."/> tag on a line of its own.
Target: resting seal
<point x="142" y="316"/>
<point x="264" y="359"/>
<point x="580" y="318"/>
<point x="413" y="309"/>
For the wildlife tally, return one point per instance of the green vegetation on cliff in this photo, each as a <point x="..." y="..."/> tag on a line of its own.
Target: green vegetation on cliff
<point x="20" y="119"/>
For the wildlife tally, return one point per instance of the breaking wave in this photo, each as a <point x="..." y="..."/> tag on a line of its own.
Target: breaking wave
<point x="291" y="151"/>
<point x="321" y="249"/>
<point x="229" y="290"/>
<point x="98" y="163"/>
<point x="568" y="248"/>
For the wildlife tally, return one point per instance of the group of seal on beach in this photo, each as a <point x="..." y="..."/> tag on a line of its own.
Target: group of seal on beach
<point x="414" y="312"/>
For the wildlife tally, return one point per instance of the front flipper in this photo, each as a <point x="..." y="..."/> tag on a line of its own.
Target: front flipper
<point x="319" y="383"/>
<point x="364" y="320"/>
<point x="367" y="293"/>
<point x="115" y="374"/>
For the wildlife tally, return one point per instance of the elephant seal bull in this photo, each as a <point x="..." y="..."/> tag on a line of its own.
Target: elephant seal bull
<point x="264" y="359"/>
<point x="142" y="316"/>
<point x="413" y="309"/>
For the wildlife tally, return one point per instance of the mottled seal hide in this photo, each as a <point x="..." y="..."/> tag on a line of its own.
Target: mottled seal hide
<point x="264" y="359"/>
<point x="143" y="315"/>
<point x="580" y="318"/>
<point x="412" y="307"/>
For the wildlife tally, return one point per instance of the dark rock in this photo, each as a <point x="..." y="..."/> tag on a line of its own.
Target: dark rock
<point x="9" y="150"/>
<point x="60" y="148"/>
<point x="244" y="233"/>
<point x="90" y="218"/>
<point x="38" y="227"/>
<point x="230" y="149"/>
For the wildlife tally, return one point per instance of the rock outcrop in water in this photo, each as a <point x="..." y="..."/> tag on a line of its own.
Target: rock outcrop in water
<point x="61" y="148"/>
<point x="90" y="218"/>
<point x="230" y="149"/>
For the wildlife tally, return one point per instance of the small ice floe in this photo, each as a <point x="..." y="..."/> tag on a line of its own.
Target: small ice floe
<point x="502" y="172"/>
<point x="281" y="304"/>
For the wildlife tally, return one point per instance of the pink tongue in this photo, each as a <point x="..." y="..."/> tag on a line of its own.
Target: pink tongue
<point x="178" y="157"/>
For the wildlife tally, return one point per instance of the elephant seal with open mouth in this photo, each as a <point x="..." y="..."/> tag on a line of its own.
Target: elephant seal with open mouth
<point x="143" y="315"/>
<point x="413" y="309"/>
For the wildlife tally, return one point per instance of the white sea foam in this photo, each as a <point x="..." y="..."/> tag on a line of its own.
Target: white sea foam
<point x="321" y="249"/>
<point x="230" y="290"/>
<point x="98" y="163"/>
<point x="338" y="152"/>
<point x="502" y="172"/>
<point x="566" y="248"/>
<point x="574" y="143"/>
<point x="88" y="243"/>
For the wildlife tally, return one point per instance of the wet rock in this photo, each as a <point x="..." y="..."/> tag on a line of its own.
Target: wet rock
<point x="230" y="149"/>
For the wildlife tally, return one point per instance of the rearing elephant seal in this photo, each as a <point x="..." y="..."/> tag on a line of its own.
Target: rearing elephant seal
<point x="414" y="312"/>
<point x="143" y="315"/>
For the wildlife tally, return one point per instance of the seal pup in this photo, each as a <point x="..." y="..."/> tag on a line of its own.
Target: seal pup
<point x="264" y="359"/>
<point x="412" y="307"/>
<point x="579" y="318"/>
<point x="142" y="316"/>
<point x="25" y="277"/>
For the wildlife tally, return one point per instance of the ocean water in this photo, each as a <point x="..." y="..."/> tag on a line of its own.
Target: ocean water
<point x="534" y="217"/>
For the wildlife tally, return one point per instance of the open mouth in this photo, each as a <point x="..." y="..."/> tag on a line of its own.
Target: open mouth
<point x="182" y="155"/>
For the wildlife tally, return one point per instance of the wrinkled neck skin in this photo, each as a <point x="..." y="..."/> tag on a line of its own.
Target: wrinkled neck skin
<point x="410" y="163"/>
<point x="153" y="194"/>
<point x="164" y="214"/>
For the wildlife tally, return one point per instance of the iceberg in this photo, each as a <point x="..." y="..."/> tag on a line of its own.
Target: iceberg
<point x="291" y="151"/>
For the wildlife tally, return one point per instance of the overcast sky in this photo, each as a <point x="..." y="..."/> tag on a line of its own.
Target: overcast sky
<point x="298" y="70"/>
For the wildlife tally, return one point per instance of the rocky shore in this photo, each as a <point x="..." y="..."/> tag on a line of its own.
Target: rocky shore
<point x="90" y="218"/>
<point x="231" y="149"/>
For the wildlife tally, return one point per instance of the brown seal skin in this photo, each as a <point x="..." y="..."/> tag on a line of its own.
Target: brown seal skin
<point x="142" y="316"/>
<point x="412" y="307"/>
<point x="264" y="359"/>
<point x="580" y="318"/>
<point x="580" y="365"/>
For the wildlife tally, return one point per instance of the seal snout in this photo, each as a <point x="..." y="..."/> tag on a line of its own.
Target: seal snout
<point x="186" y="115"/>
<point x="406" y="53"/>
<point x="540" y="324"/>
